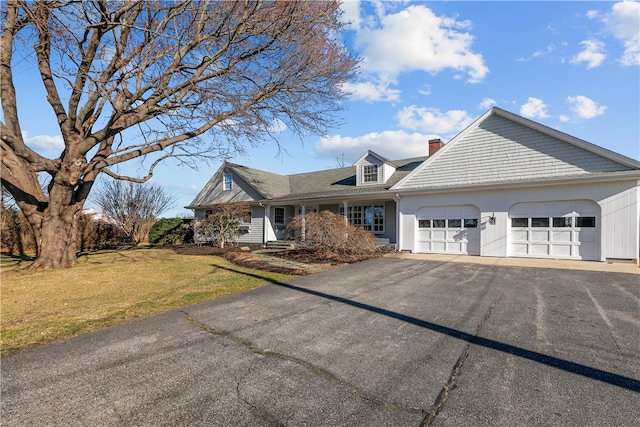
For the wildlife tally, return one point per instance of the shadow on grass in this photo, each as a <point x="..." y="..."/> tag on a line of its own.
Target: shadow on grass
<point x="554" y="362"/>
<point x="8" y="260"/>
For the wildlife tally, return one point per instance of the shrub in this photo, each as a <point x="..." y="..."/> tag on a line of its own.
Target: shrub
<point x="330" y="232"/>
<point x="168" y="231"/>
<point x="222" y="225"/>
<point x="16" y="234"/>
<point x="95" y="234"/>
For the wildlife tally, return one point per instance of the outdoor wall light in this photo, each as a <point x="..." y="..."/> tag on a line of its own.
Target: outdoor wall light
<point x="492" y="219"/>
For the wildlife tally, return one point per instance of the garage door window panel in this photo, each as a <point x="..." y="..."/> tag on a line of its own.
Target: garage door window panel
<point x="563" y="222"/>
<point x="586" y="221"/>
<point x="539" y="222"/>
<point x="471" y="223"/>
<point x="519" y="222"/>
<point x="439" y="223"/>
<point x="424" y="223"/>
<point x="455" y="223"/>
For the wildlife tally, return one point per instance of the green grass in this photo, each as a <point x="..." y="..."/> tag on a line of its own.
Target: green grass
<point x="109" y="288"/>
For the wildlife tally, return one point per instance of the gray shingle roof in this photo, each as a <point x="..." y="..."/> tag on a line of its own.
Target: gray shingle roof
<point x="342" y="181"/>
<point x="270" y="185"/>
<point x="320" y="184"/>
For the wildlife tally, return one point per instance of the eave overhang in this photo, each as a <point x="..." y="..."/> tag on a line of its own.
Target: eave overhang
<point x="552" y="181"/>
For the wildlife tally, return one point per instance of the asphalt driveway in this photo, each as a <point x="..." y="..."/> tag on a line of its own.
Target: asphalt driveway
<point x="383" y="342"/>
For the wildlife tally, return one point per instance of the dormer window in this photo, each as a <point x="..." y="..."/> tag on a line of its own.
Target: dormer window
<point x="370" y="173"/>
<point x="372" y="169"/>
<point x="227" y="182"/>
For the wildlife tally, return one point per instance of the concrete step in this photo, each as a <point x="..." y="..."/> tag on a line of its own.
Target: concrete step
<point x="281" y="245"/>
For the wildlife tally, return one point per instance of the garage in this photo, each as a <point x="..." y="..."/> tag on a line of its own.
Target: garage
<point x="562" y="229"/>
<point x="448" y="229"/>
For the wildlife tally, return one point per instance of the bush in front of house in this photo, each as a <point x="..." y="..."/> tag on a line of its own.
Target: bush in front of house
<point x="95" y="234"/>
<point x="168" y="231"/>
<point x="326" y="231"/>
<point x="16" y="235"/>
<point x="17" y="238"/>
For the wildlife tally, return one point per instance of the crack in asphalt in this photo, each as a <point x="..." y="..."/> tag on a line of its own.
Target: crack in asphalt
<point x="450" y="385"/>
<point x="314" y="368"/>
<point x="264" y="415"/>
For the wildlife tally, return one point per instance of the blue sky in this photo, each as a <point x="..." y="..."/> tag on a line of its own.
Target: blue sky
<point x="430" y="68"/>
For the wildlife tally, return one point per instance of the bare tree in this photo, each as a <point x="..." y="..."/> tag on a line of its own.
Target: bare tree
<point x="329" y="232"/>
<point x="223" y="224"/>
<point x="154" y="80"/>
<point x="134" y="207"/>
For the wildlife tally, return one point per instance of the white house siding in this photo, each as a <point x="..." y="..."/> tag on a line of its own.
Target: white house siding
<point x="618" y="202"/>
<point x="500" y="150"/>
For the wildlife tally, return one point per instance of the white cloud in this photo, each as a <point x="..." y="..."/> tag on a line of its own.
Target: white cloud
<point x="564" y="118"/>
<point x="392" y="144"/>
<point x="585" y="108"/>
<point x="623" y="22"/>
<point x="487" y="103"/>
<point x="351" y="13"/>
<point x="415" y="39"/>
<point x="278" y="126"/>
<point x="591" y="14"/>
<point x="372" y="91"/>
<point x="431" y="120"/>
<point x="593" y="54"/>
<point x="425" y="89"/>
<point x="547" y="51"/>
<point x="538" y="53"/>
<point x="46" y="143"/>
<point x="534" y="108"/>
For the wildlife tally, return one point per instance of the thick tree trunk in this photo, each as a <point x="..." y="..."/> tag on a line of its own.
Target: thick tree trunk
<point x="56" y="234"/>
<point x="57" y="245"/>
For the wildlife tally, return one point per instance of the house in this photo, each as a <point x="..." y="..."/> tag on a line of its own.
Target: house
<point x="505" y="186"/>
<point x="361" y="192"/>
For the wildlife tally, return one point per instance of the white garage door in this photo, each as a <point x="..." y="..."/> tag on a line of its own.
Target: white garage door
<point x="449" y="229"/>
<point x="567" y="229"/>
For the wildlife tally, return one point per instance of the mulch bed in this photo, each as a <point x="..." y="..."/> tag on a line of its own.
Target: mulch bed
<point x="235" y="255"/>
<point x="309" y="256"/>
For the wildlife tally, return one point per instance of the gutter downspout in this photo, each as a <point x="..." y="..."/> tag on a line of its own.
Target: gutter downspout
<point x="396" y="198"/>
<point x="304" y="223"/>
<point x="264" y="223"/>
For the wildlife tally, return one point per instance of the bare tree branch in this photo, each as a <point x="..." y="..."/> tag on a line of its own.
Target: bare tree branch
<point x="153" y="80"/>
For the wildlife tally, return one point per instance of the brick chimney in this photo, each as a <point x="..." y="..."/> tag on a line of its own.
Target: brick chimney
<point x="435" y="145"/>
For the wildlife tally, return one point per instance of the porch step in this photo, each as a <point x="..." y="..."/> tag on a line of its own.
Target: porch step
<point x="279" y="245"/>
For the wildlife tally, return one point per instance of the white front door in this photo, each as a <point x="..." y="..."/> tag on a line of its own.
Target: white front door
<point x="448" y="229"/>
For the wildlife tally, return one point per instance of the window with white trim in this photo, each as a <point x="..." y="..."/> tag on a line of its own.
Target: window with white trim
<point x="369" y="217"/>
<point x="370" y="173"/>
<point x="227" y="182"/>
<point x="278" y="215"/>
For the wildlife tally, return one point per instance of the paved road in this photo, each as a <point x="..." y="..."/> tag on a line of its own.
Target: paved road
<point x="396" y="342"/>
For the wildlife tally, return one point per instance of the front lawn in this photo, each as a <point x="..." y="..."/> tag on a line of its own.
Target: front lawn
<point x="109" y="288"/>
